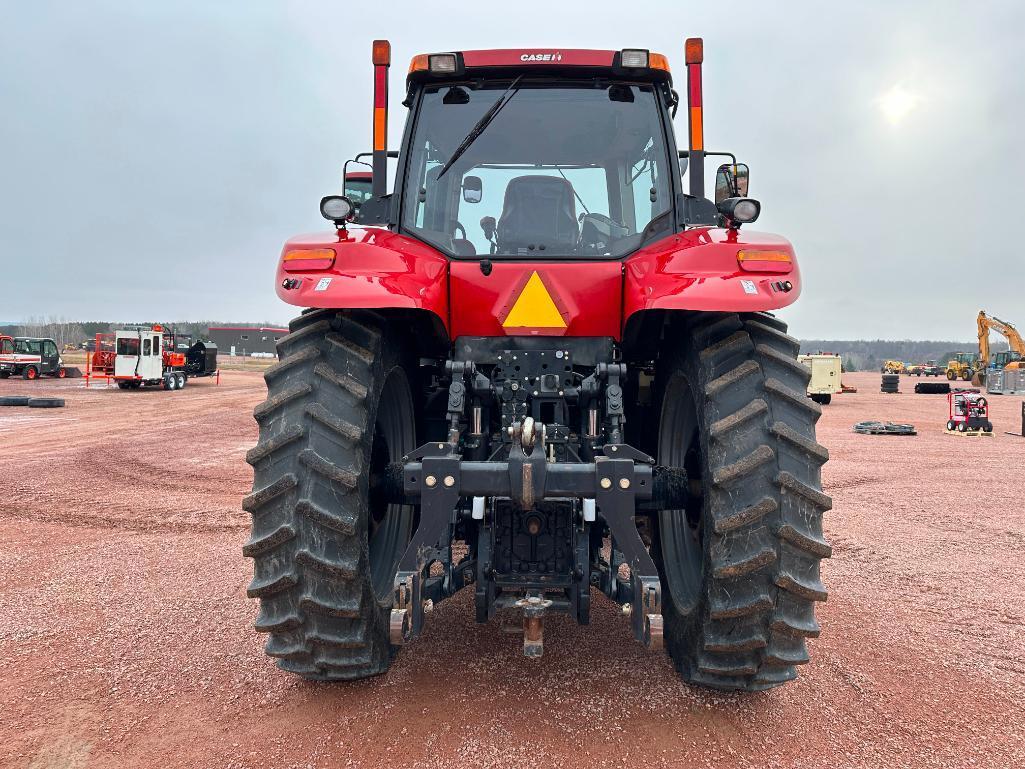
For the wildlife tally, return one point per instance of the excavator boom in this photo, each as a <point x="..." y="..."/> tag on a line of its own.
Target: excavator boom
<point x="1015" y="342"/>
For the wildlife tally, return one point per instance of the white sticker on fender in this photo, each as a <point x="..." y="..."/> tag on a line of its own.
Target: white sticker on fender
<point x="749" y="286"/>
<point x="322" y="284"/>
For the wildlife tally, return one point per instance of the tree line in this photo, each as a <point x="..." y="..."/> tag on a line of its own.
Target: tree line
<point x="869" y="354"/>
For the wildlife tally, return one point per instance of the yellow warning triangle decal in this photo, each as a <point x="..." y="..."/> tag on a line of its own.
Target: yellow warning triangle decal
<point x="534" y="308"/>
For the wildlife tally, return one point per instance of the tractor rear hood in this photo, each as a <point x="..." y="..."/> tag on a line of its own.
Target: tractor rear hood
<point x="710" y="269"/>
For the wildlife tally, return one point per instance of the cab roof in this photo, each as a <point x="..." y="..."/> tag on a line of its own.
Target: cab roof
<point x="565" y="61"/>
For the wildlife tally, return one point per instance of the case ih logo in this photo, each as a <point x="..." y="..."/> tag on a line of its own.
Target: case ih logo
<point x="541" y="57"/>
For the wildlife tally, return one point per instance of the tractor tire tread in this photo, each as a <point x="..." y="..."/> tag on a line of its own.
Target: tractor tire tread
<point x="764" y="505"/>
<point x="308" y="542"/>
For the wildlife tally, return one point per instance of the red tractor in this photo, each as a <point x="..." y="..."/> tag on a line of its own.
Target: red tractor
<point x="968" y="412"/>
<point x="540" y="369"/>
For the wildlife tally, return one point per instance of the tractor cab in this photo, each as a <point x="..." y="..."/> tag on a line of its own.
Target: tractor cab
<point x="521" y="163"/>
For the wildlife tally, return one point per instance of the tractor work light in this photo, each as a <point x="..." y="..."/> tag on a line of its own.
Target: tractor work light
<point x="442" y="63"/>
<point x="745" y="211"/>
<point x="739" y="210"/>
<point x="336" y="208"/>
<point x="633" y="58"/>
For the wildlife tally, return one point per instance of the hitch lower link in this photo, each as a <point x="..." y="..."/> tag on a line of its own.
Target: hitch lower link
<point x="613" y="483"/>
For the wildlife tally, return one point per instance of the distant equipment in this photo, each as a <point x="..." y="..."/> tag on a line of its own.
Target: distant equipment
<point x="140" y="356"/>
<point x="30" y="358"/>
<point x="884" y="428"/>
<point x="968" y="413"/>
<point x="962" y="366"/>
<point x="892" y="367"/>
<point x="1012" y="360"/>
<point x="825" y="376"/>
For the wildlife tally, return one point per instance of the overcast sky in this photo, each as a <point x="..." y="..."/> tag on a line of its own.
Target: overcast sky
<point x="156" y="155"/>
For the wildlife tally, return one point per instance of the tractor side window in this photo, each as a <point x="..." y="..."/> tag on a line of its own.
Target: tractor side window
<point x="156" y="345"/>
<point x="6" y="347"/>
<point x="50" y="348"/>
<point x="145" y="346"/>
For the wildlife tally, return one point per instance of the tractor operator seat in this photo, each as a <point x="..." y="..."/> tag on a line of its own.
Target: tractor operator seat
<point x="539" y="214"/>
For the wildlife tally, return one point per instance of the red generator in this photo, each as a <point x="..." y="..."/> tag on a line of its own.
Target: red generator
<point x="968" y="412"/>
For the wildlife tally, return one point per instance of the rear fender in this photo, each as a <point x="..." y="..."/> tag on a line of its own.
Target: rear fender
<point x="373" y="268"/>
<point x="699" y="270"/>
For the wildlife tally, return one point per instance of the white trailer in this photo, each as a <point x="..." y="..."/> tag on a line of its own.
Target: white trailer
<point x="825" y="376"/>
<point x="140" y="359"/>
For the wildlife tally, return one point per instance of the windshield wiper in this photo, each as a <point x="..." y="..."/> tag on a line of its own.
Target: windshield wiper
<point x="481" y="124"/>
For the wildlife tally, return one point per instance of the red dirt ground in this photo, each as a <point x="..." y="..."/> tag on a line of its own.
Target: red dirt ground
<point x="126" y="636"/>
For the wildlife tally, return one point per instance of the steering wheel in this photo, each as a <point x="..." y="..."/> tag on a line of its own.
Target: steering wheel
<point x="457" y="227"/>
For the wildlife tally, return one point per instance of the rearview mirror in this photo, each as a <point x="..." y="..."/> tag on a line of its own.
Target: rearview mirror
<point x="357" y="186"/>
<point x="473" y="190"/>
<point x="731" y="181"/>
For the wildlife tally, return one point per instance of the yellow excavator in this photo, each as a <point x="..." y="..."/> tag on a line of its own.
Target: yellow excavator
<point x="1013" y="359"/>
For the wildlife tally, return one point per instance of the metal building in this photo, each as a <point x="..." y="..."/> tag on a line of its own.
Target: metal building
<point x="246" y="340"/>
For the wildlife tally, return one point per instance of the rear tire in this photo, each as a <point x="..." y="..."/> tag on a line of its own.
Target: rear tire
<point x="325" y="550"/>
<point x="740" y="566"/>
<point x="31" y="372"/>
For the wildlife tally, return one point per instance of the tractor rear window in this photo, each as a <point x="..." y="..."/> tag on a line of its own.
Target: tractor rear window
<point x="560" y="171"/>
<point x="127" y="346"/>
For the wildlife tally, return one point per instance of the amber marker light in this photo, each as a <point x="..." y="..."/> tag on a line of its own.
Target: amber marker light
<point x="304" y="259"/>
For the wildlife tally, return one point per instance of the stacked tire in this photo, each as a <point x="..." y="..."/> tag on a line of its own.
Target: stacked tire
<point x="932" y="388"/>
<point x="890" y="384"/>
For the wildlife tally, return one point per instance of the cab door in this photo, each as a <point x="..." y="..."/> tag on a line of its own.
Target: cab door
<point x="49" y="358"/>
<point x="150" y="362"/>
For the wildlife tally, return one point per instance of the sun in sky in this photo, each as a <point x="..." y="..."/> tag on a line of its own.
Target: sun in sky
<point x="897" y="103"/>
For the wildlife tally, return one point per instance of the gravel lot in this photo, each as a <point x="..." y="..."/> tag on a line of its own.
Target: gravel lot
<point x="126" y="636"/>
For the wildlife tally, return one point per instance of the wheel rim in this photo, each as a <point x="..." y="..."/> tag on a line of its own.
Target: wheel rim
<point x="681" y="532"/>
<point x="389" y="525"/>
<point x="31" y="373"/>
